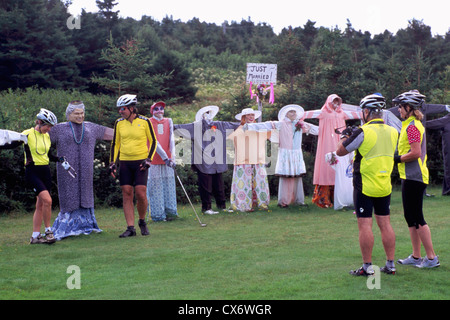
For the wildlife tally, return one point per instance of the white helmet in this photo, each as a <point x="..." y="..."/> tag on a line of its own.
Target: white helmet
<point x="126" y="100"/>
<point x="373" y="101"/>
<point x="47" y="117"/>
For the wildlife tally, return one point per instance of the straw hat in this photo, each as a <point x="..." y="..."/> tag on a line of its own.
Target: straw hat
<point x="282" y="113"/>
<point x="213" y="110"/>
<point x="248" y="111"/>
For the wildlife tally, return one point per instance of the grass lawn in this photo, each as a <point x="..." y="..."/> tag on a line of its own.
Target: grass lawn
<point x="283" y="254"/>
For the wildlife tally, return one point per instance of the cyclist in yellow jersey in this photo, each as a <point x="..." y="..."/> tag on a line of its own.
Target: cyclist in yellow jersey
<point x="133" y="145"/>
<point x="374" y="145"/>
<point x="37" y="172"/>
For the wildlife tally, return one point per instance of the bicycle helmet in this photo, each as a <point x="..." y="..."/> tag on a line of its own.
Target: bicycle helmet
<point x="413" y="98"/>
<point x="373" y="101"/>
<point x="126" y="100"/>
<point x="47" y="117"/>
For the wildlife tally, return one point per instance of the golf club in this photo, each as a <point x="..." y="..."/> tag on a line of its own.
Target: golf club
<point x="179" y="180"/>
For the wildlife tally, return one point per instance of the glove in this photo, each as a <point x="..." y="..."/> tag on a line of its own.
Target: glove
<point x="170" y="163"/>
<point x="397" y="159"/>
<point x="145" y="164"/>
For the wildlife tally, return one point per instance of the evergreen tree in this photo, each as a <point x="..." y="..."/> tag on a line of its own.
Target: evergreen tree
<point x="35" y="46"/>
<point x="129" y="71"/>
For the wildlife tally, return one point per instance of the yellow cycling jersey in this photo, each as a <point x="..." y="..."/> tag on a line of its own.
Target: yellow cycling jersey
<point x="36" y="150"/>
<point x="133" y="140"/>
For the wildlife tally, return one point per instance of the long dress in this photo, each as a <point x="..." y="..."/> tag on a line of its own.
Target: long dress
<point x="76" y="142"/>
<point x="161" y="189"/>
<point x="249" y="187"/>
<point x="329" y="120"/>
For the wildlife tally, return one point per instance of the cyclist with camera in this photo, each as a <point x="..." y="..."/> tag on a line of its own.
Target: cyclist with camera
<point x="374" y="144"/>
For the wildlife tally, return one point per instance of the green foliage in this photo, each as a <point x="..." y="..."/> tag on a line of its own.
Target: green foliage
<point x="129" y="71"/>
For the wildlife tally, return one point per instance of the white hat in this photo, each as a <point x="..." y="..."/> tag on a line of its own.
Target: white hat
<point x="212" y="109"/>
<point x="246" y="111"/>
<point x="282" y="113"/>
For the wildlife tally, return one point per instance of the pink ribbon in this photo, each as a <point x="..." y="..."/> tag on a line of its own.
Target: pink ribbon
<point x="272" y="95"/>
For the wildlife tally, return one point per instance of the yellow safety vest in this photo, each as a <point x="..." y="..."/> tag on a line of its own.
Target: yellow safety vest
<point x="415" y="170"/>
<point x="377" y="158"/>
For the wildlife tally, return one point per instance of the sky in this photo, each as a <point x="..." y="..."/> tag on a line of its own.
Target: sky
<point x="374" y="16"/>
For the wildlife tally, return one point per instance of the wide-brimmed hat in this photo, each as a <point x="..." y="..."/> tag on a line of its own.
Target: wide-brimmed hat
<point x="157" y="104"/>
<point x="212" y="109"/>
<point x="246" y="111"/>
<point x="282" y="113"/>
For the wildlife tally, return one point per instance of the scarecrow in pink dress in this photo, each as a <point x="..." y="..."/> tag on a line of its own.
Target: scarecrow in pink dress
<point x="331" y="117"/>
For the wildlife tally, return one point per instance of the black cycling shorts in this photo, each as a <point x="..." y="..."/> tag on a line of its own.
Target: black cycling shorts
<point x="38" y="178"/>
<point x="365" y="204"/>
<point x="412" y="198"/>
<point x="131" y="174"/>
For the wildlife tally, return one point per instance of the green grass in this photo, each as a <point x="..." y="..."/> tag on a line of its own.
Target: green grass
<point x="283" y="254"/>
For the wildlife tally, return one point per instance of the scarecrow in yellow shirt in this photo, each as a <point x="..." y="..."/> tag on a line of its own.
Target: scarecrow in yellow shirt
<point x="250" y="187"/>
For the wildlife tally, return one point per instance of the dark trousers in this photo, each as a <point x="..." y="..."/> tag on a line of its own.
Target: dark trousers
<point x="211" y="184"/>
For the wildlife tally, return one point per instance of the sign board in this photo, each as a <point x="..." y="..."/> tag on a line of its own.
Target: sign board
<point x="259" y="73"/>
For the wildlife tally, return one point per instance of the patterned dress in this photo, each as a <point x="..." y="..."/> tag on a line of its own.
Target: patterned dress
<point x="250" y="187"/>
<point x="76" y="142"/>
<point x="161" y="191"/>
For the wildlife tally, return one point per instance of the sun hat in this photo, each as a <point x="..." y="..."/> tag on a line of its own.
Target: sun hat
<point x="212" y="109"/>
<point x="246" y="111"/>
<point x="283" y="111"/>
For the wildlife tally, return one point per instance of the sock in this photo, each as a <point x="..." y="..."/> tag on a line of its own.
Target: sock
<point x="415" y="258"/>
<point x="35" y="235"/>
<point x="48" y="229"/>
<point x="366" y="265"/>
<point x="390" y="263"/>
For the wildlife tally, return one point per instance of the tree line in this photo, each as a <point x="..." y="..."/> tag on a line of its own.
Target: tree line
<point x="38" y="48"/>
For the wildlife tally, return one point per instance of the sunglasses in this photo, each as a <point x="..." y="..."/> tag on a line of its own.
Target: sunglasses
<point x="123" y="108"/>
<point x="158" y="108"/>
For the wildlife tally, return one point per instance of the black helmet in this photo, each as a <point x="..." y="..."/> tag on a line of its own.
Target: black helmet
<point x="412" y="98"/>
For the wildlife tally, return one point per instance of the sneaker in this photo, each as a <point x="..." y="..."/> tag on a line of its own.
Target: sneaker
<point x="388" y="270"/>
<point x="410" y="261"/>
<point x="130" y="232"/>
<point x="143" y="227"/>
<point x="427" y="263"/>
<point x="229" y="210"/>
<point x="49" y="237"/>
<point x="362" y="272"/>
<point x="38" y="240"/>
<point x="209" y="211"/>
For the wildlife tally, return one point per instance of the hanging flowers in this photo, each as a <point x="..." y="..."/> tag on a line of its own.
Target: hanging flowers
<point x="261" y="92"/>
